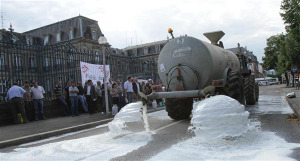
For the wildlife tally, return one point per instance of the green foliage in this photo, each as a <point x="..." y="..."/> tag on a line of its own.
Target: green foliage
<point x="291" y="17"/>
<point x="283" y="51"/>
<point x="272" y="51"/>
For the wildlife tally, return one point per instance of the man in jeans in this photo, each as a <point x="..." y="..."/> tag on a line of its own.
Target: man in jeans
<point x="58" y="96"/>
<point x="81" y="97"/>
<point x="15" y="95"/>
<point x="38" y="102"/>
<point x="73" y="90"/>
<point x="128" y="90"/>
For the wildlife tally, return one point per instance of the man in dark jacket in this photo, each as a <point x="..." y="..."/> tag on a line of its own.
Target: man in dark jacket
<point x="90" y="94"/>
<point x="136" y="88"/>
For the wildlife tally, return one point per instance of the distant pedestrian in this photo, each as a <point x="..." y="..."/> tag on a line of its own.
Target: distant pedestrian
<point x="58" y="96"/>
<point x="90" y="94"/>
<point x="115" y="98"/>
<point x="81" y="97"/>
<point x="129" y="94"/>
<point x="109" y="87"/>
<point x="38" y="101"/>
<point x="108" y="96"/>
<point x="73" y="90"/>
<point x="15" y="96"/>
<point x="120" y="93"/>
<point x="28" y="101"/>
<point x="99" y="97"/>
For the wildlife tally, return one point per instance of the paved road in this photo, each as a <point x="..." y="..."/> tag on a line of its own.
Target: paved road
<point x="172" y="140"/>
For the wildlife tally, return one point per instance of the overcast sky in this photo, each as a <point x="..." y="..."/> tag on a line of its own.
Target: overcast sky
<point x="249" y="22"/>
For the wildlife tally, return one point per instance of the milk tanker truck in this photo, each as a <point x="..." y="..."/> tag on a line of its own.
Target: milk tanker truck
<point x="191" y="68"/>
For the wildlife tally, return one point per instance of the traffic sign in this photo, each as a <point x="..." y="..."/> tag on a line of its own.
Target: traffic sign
<point x="294" y="69"/>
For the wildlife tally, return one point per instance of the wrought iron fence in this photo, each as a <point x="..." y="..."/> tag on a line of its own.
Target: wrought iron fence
<point x="52" y="63"/>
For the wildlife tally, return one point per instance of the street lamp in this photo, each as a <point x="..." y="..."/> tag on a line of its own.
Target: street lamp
<point x="103" y="42"/>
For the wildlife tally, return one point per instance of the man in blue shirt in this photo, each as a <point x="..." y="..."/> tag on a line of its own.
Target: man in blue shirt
<point x="16" y="99"/>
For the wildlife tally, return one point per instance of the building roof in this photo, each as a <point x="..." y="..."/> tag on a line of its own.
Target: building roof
<point x="81" y="27"/>
<point x="146" y="45"/>
<point x="17" y="38"/>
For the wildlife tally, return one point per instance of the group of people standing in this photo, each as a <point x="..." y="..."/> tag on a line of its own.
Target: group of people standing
<point x="22" y="98"/>
<point x="91" y="97"/>
<point x="29" y="99"/>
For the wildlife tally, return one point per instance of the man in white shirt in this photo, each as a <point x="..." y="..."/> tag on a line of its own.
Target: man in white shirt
<point x="38" y="102"/>
<point x="128" y="90"/>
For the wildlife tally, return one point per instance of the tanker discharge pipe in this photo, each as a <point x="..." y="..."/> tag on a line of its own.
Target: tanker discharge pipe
<point x="179" y="94"/>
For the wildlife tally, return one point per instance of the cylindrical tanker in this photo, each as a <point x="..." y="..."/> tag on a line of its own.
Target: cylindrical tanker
<point x="194" y="63"/>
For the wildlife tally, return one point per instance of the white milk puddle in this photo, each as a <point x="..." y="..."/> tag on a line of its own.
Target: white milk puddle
<point x="119" y="141"/>
<point x="271" y="105"/>
<point x="134" y="112"/>
<point x="223" y="132"/>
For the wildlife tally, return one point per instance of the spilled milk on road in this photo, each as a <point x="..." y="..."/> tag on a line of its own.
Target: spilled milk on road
<point x="220" y="124"/>
<point x="223" y="131"/>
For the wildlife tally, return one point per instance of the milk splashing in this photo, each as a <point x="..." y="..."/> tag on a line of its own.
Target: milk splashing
<point x="133" y="112"/>
<point x="219" y="117"/>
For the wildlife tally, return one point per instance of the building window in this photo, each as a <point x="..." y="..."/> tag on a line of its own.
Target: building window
<point x="46" y="62"/>
<point x="58" y="37"/>
<point x="119" y="66"/>
<point x="1" y="62"/>
<point x="31" y="64"/>
<point x="48" y="86"/>
<point x="29" y="40"/>
<point x="146" y="66"/>
<point x="46" y="40"/>
<point x="70" y="60"/>
<point x="71" y="34"/>
<point x="18" y="63"/>
<point x="157" y="49"/>
<point x="58" y="62"/>
<point x="94" y="34"/>
<point x="97" y="57"/>
<point x="145" y="51"/>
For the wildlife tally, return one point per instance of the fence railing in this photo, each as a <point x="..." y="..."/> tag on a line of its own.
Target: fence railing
<point x="49" y="64"/>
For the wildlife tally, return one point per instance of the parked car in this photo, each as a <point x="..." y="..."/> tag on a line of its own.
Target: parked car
<point x="263" y="83"/>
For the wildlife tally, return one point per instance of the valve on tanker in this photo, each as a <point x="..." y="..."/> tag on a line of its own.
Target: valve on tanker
<point x="170" y="31"/>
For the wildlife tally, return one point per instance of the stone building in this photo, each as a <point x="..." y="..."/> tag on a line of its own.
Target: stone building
<point x="147" y="56"/>
<point x="53" y="53"/>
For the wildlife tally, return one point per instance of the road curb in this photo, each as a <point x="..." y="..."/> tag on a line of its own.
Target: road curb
<point x="44" y="135"/>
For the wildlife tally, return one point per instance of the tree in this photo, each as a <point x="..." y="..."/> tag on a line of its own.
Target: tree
<point x="272" y="51"/>
<point x="291" y="17"/>
<point x="283" y="65"/>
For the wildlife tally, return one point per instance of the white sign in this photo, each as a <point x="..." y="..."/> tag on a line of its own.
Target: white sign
<point x="93" y="72"/>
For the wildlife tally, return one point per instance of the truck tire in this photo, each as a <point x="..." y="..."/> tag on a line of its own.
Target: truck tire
<point x="233" y="86"/>
<point x="250" y="92"/>
<point x="179" y="108"/>
<point x="256" y="92"/>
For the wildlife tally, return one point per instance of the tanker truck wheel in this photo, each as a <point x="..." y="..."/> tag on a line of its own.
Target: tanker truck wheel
<point x="233" y="86"/>
<point x="179" y="108"/>
<point x="250" y="92"/>
<point x="256" y="92"/>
